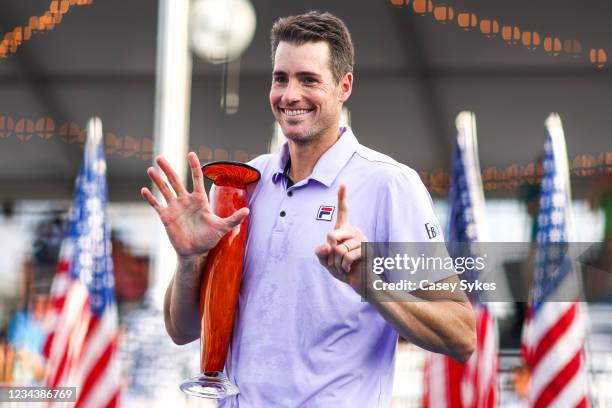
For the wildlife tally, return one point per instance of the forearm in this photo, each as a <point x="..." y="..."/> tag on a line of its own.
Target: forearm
<point x="446" y="327"/>
<point x="182" y="301"/>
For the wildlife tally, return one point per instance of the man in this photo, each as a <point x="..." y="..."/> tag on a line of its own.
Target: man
<point x="151" y="363"/>
<point x="16" y="266"/>
<point x="303" y="337"/>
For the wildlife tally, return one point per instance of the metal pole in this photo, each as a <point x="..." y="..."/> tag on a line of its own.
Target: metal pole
<point x="171" y="130"/>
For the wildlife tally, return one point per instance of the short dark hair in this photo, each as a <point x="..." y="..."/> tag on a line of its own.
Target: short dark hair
<point x="315" y="26"/>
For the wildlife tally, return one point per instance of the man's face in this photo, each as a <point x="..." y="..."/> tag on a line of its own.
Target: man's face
<point x="305" y="98"/>
<point x="39" y="306"/>
<point x="131" y="274"/>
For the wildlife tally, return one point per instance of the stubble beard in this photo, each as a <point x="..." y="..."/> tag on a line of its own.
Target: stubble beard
<point x="312" y="135"/>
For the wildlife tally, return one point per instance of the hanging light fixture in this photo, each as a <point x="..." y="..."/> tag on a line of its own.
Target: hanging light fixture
<point x="221" y="29"/>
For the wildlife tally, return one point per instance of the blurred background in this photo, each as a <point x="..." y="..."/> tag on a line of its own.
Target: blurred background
<point x="418" y="64"/>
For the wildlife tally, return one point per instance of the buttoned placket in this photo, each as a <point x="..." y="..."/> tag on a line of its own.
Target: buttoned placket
<point x="285" y="203"/>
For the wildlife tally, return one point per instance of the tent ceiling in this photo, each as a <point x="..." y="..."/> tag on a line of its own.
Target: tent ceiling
<point x="413" y="75"/>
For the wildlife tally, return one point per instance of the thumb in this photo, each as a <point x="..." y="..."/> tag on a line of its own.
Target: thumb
<point x="323" y="251"/>
<point x="236" y="218"/>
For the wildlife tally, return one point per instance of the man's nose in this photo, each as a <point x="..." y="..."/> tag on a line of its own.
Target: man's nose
<point x="292" y="92"/>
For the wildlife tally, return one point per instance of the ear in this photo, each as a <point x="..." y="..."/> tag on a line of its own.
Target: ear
<point x="346" y="87"/>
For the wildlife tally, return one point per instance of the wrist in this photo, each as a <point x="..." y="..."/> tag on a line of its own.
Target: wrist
<point x="189" y="269"/>
<point x="191" y="259"/>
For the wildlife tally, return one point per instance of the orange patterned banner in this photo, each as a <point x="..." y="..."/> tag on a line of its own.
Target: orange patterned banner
<point x="511" y="34"/>
<point x="13" y="39"/>
<point x="493" y="178"/>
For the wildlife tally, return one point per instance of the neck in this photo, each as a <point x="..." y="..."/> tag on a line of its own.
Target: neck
<point x="305" y="156"/>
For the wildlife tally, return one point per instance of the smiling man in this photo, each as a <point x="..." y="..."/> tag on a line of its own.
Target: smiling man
<point x="303" y="336"/>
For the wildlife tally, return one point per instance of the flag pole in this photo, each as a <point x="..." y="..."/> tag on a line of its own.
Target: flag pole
<point x="448" y="383"/>
<point x="555" y="332"/>
<point x="171" y="130"/>
<point x="81" y="345"/>
<point x="555" y="128"/>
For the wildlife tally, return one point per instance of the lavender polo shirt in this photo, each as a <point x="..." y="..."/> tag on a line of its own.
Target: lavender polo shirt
<point x="303" y="338"/>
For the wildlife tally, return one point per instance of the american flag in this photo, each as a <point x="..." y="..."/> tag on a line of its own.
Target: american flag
<point x="554" y="332"/>
<point x="80" y="349"/>
<point x="474" y="383"/>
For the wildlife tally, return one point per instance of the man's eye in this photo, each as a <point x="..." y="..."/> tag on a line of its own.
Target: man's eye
<point x="279" y="80"/>
<point x="309" y="80"/>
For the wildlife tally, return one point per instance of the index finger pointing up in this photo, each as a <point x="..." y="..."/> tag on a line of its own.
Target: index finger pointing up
<point x="342" y="217"/>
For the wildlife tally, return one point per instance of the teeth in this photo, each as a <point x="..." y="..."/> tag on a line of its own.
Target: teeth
<point x="294" y="112"/>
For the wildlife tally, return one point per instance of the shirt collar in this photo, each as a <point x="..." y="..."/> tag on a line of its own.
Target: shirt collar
<point x="329" y="164"/>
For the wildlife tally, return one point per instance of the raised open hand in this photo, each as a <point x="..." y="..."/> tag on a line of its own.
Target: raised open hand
<point x="191" y="225"/>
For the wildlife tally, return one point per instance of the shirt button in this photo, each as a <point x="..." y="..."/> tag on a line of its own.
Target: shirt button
<point x="282" y="213"/>
<point x="290" y="193"/>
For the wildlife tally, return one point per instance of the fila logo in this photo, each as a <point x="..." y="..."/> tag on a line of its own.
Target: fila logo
<point x="326" y="212"/>
<point x="432" y="230"/>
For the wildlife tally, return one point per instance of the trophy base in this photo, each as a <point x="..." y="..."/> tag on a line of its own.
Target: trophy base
<point x="210" y="384"/>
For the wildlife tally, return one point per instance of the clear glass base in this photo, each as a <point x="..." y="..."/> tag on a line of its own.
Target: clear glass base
<point x="210" y="384"/>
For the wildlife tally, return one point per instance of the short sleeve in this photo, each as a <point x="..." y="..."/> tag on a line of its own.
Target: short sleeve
<point x="406" y="211"/>
<point x="406" y="215"/>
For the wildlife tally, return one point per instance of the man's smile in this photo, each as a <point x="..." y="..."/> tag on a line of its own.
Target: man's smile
<point x="295" y="112"/>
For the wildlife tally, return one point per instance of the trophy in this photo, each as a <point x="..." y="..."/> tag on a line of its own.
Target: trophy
<point x="221" y="280"/>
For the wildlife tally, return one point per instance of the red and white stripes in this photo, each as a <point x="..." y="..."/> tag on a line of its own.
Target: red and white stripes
<point x="80" y="349"/>
<point x="553" y="346"/>
<point x="449" y="384"/>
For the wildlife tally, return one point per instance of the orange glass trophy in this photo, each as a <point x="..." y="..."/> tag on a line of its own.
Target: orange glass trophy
<point x="221" y="280"/>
